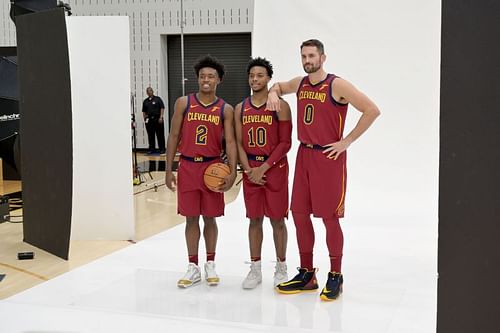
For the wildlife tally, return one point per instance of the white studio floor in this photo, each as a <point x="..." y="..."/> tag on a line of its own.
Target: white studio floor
<point x="389" y="272"/>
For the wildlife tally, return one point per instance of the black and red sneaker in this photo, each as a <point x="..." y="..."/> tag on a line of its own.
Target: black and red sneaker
<point x="304" y="281"/>
<point x="333" y="287"/>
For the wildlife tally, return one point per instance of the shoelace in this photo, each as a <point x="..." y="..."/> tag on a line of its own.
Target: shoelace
<point x="191" y="272"/>
<point x="253" y="270"/>
<point x="281" y="269"/>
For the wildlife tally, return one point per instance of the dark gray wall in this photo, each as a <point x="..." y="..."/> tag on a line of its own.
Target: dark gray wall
<point x="46" y="127"/>
<point x="469" y="185"/>
<point x="234" y="50"/>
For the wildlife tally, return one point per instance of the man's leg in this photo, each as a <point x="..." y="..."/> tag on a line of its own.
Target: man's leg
<point x="160" y="134"/>
<point x="280" y="236"/>
<point x="192" y="235"/>
<point x="305" y="239"/>
<point x="335" y="243"/>
<point x="150" y="128"/>
<point x="255" y="236"/>
<point x="305" y="280"/>
<point x="210" y="233"/>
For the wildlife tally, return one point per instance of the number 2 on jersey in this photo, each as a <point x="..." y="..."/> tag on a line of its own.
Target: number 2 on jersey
<point x="309" y="114"/>
<point x="201" y="135"/>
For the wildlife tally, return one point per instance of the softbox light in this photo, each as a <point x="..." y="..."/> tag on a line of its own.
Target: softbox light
<point x="21" y="7"/>
<point x="9" y="111"/>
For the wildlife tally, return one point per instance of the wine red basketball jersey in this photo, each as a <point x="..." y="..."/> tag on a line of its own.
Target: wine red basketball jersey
<point x="202" y="128"/>
<point x="260" y="128"/>
<point x="320" y="119"/>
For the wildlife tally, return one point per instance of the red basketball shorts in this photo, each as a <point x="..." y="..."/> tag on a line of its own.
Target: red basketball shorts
<point x="193" y="197"/>
<point x="270" y="199"/>
<point x="319" y="184"/>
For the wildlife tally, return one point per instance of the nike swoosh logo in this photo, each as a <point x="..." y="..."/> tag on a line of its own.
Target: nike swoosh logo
<point x="325" y="291"/>
<point x="193" y="106"/>
<point x="246" y="109"/>
<point x="282" y="165"/>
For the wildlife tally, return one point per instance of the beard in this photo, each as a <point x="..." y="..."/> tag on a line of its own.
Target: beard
<point x="311" y="68"/>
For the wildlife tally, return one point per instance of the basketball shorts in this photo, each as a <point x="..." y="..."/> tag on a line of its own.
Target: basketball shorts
<point x="193" y="197"/>
<point x="319" y="184"/>
<point x="270" y="199"/>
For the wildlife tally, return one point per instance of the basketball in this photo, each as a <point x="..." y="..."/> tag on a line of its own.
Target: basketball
<point x="214" y="175"/>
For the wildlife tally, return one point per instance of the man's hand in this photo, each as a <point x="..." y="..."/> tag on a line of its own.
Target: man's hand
<point x="227" y="183"/>
<point x="256" y="175"/>
<point x="160" y="120"/>
<point x="336" y="148"/>
<point x="170" y="180"/>
<point x="273" y="101"/>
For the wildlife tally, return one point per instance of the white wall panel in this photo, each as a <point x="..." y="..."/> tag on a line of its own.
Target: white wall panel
<point x="7" y="27"/>
<point x="390" y="50"/>
<point x="100" y="97"/>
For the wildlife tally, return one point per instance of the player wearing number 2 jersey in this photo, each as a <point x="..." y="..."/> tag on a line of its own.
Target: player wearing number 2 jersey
<point x="320" y="173"/>
<point x="263" y="138"/>
<point x="199" y="124"/>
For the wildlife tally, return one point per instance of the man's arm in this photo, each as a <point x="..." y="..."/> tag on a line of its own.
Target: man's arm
<point x="279" y="89"/>
<point x="173" y="141"/>
<point x="231" y="149"/>
<point x="344" y="92"/>
<point x="162" y="110"/>
<point x="144" y="113"/>
<point x="285" y="135"/>
<point x="242" y="155"/>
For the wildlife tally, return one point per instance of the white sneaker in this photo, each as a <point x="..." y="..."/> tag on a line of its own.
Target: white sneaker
<point x="192" y="276"/>
<point x="280" y="273"/>
<point x="210" y="274"/>
<point x="254" y="277"/>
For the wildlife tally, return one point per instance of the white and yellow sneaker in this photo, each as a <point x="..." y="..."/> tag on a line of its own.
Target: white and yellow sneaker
<point x="192" y="276"/>
<point x="210" y="275"/>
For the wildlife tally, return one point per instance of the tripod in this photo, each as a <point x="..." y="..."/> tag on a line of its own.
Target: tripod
<point x="138" y="174"/>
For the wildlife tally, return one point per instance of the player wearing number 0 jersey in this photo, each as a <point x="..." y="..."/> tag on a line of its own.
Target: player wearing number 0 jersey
<point x="320" y="121"/>
<point x="199" y="124"/>
<point x="263" y="138"/>
<point x="320" y="171"/>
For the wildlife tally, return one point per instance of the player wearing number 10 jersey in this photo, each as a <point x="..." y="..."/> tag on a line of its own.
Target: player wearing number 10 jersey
<point x="263" y="138"/>
<point x="199" y="124"/>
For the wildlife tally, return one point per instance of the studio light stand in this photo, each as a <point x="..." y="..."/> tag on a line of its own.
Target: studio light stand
<point x="138" y="174"/>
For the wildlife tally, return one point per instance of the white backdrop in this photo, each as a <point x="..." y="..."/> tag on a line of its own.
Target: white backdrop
<point x="390" y="50"/>
<point x="99" y="53"/>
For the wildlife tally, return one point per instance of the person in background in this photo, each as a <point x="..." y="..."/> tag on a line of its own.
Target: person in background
<point x="153" y="111"/>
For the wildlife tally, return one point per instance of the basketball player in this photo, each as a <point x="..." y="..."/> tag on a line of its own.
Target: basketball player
<point x="263" y="138"/>
<point x="200" y="122"/>
<point x="319" y="183"/>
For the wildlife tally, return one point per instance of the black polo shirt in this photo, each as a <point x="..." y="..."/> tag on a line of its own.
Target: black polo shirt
<point x="152" y="106"/>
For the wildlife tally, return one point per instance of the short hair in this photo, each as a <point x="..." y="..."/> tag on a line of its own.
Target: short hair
<point x="314" y="42"/>
<point x="262" y="62"/>
<point x="211" y="62"/>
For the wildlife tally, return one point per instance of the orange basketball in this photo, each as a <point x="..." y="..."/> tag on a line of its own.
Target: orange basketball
<point x="214" y="175"/>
